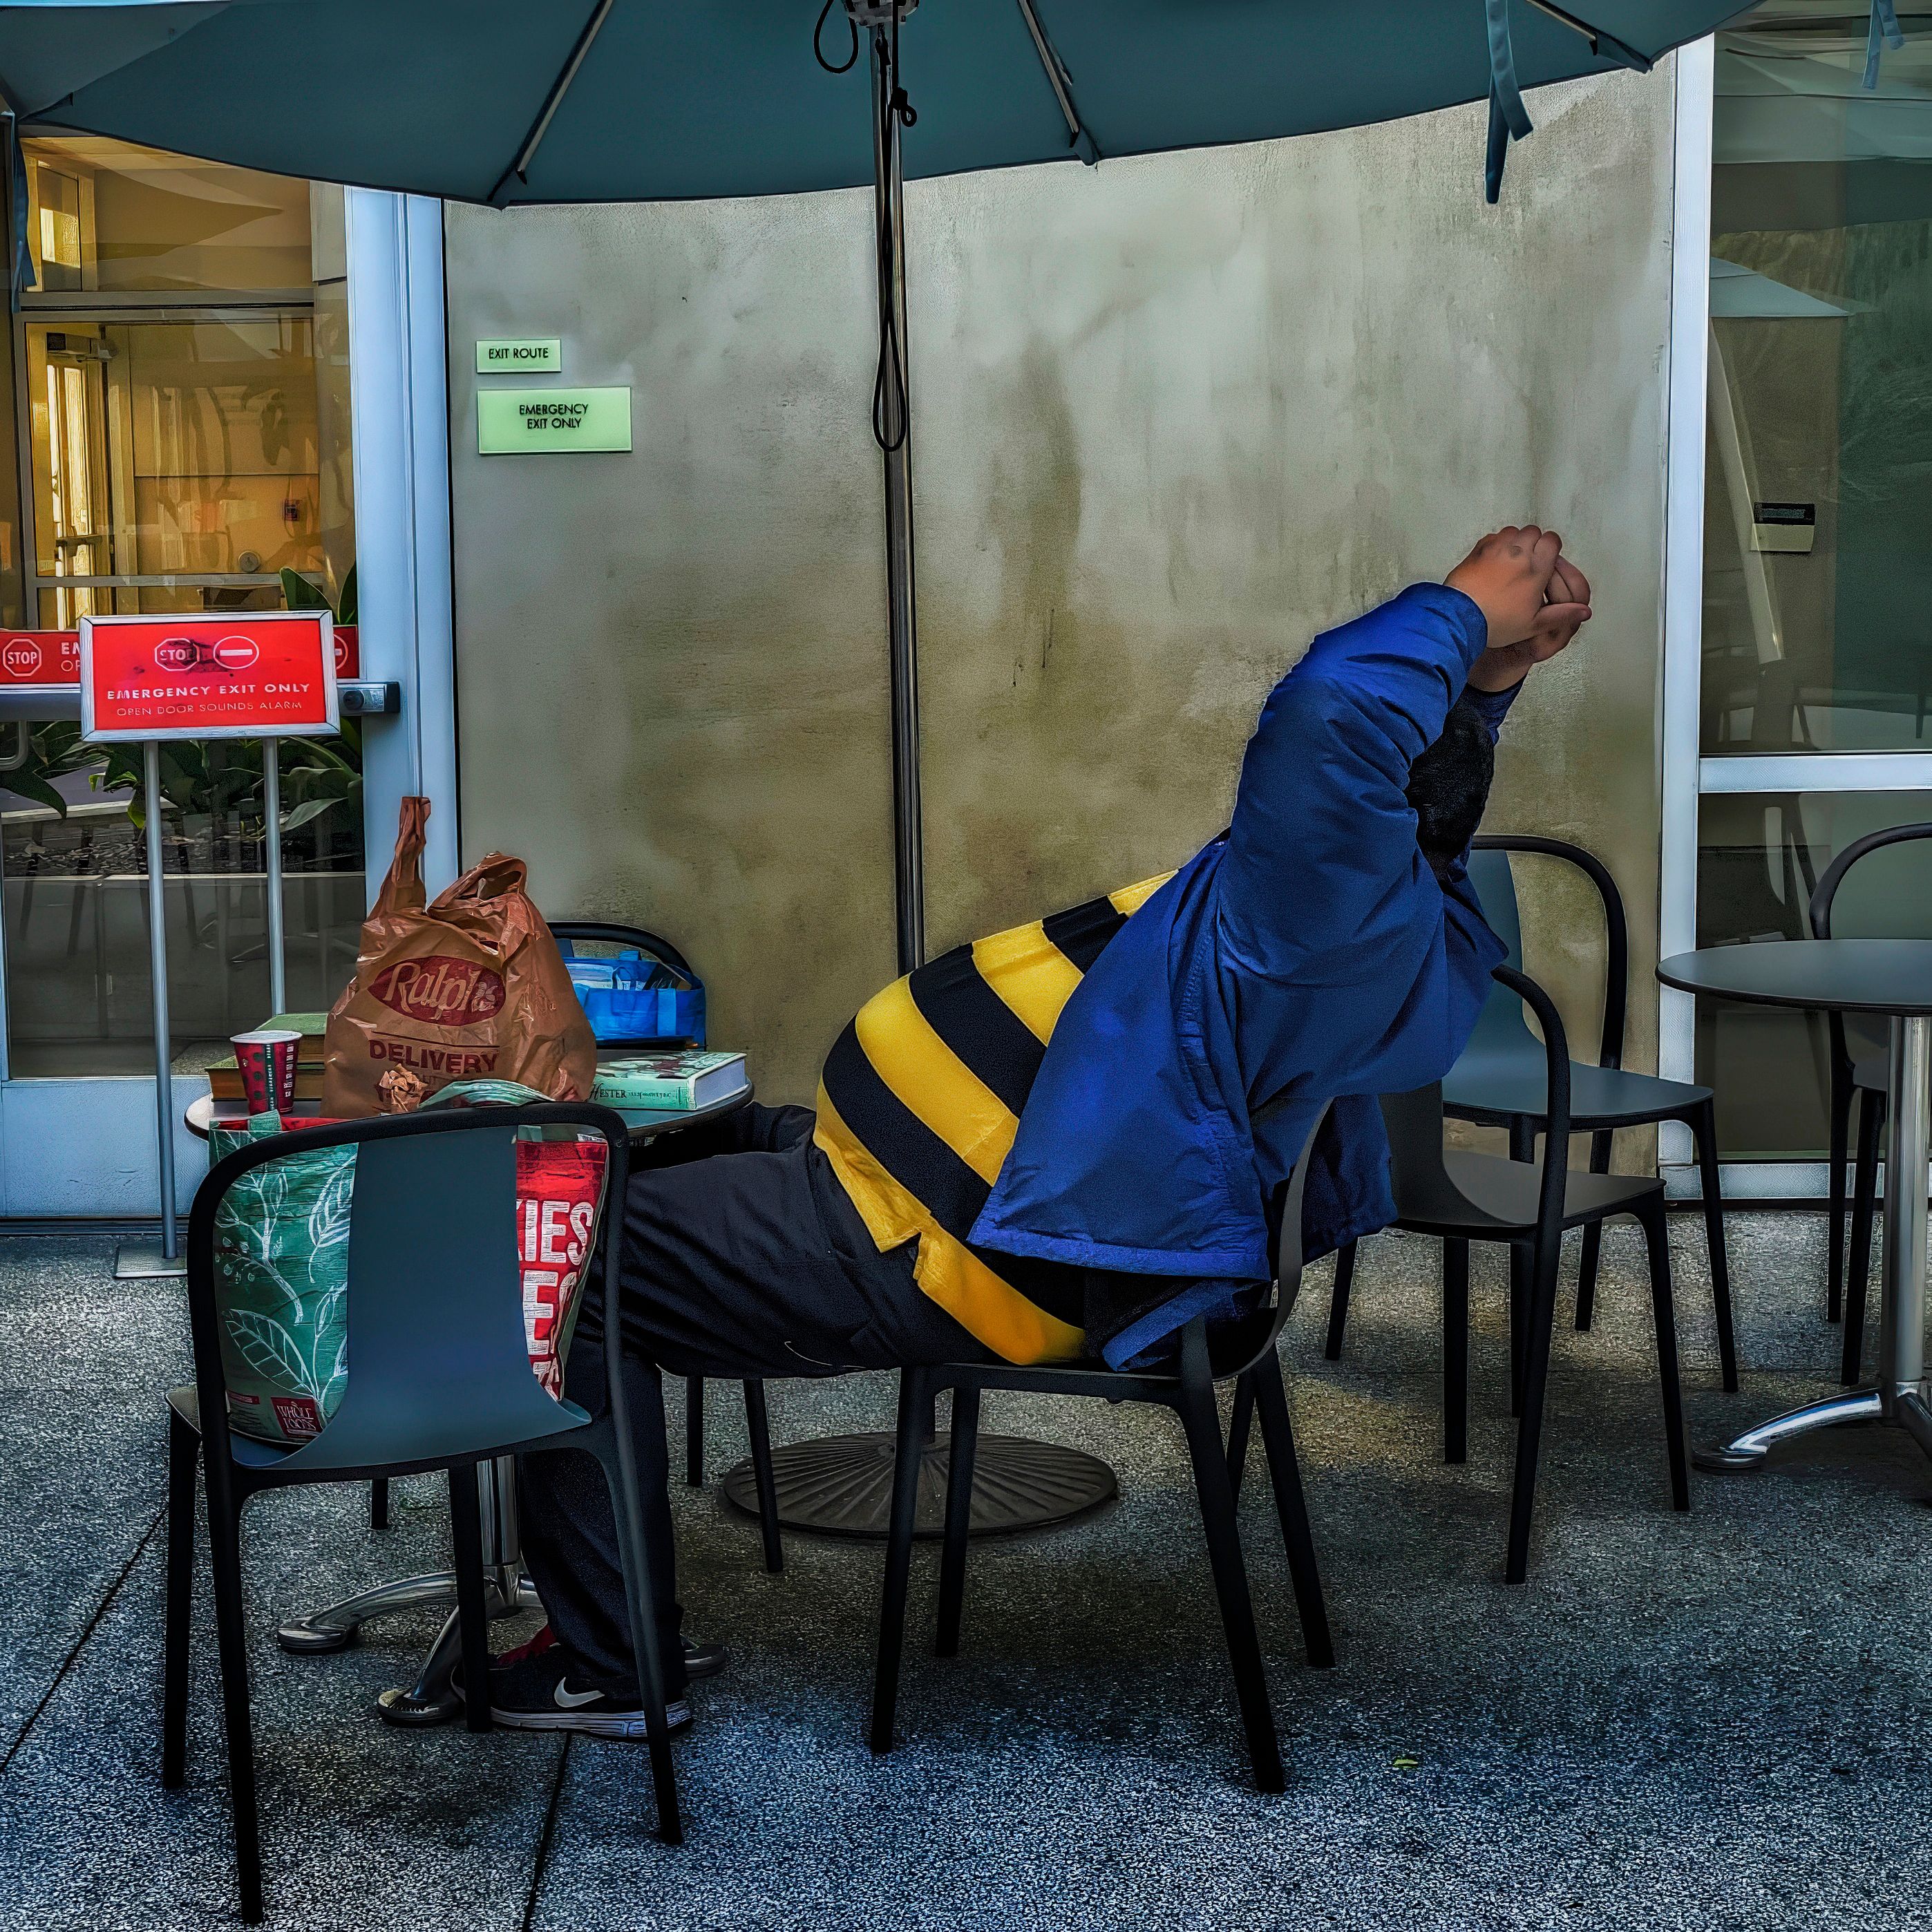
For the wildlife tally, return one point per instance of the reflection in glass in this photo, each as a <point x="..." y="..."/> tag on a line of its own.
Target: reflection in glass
<point x="1759" y="860"/>
<point x="1818" y="530"/>
<point x="75" y="867"/>
<point x="166" y="448"/>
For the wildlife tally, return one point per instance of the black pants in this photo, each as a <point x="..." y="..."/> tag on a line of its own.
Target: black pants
<point x="742" y="1256"/>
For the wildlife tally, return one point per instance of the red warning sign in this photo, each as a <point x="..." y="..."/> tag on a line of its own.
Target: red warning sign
<point x="39" y="657"/>
<point x="268" y="674"/>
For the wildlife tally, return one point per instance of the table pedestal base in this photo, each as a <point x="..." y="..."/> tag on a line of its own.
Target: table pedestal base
<point x="1900" y="1397"/>
<point x="842" y="1485"/>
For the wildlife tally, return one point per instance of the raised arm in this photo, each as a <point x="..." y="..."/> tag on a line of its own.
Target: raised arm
<point x="1323" y="878"/>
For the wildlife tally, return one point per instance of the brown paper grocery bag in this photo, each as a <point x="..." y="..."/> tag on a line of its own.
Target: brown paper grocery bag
<point x="472" y="988"/>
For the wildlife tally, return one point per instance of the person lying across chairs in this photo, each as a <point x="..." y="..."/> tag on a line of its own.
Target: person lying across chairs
<point x="1060" y="1141"/>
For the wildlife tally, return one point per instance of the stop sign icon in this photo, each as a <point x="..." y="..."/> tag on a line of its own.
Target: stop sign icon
<point x="21" y="657"/>
<point x="237" y="653"/>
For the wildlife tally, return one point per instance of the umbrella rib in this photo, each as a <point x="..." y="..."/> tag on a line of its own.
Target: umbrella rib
<point x="558" y="87"/>
<point x="1606" y="45"/>
<point x="1057" y="78"/>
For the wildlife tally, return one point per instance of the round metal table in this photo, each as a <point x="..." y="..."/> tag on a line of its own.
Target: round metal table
<point x="429" y="1699"/>
<point x="1891" y="978"/>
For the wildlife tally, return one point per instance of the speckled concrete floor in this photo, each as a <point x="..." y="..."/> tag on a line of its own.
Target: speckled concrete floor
<point x="1710" y="1722"/>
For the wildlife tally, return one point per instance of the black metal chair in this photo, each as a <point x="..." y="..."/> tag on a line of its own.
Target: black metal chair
<point x="1500" y="1082"/>
<point x="1859" y="1047"/>
<point x="439" y="1379"/>
<point x="570" y="933"/>
<point x="1246" y="1354"/>
<point x="1460" y="1198"/>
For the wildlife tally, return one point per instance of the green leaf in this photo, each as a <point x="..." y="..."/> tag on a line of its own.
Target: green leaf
<point x="304" y="814"/>
<point x="345" y="612"/>
<point x="271" y="1352"/>
<point x="28" y="784"/>
<point x="299" y="594"/>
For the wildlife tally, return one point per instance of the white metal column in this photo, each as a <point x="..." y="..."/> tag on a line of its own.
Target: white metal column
<point x="1683" y="564"/>
<point x="399" y="397"/>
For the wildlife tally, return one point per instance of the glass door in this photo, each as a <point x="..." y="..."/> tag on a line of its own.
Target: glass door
<point x="181" y="372"/>
<point x="1813" y="675"/>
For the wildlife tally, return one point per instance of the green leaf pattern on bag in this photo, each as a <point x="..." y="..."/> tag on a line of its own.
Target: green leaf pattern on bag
<point x="281" y="1238"/>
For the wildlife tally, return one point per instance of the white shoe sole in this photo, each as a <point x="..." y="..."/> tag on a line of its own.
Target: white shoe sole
<point x="625" y="1726"/>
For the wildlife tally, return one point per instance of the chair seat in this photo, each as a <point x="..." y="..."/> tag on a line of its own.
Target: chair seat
<point x="250" y="1453"/>
<point x="1499" y="1198"/>
<point x="1490" y="1088"/>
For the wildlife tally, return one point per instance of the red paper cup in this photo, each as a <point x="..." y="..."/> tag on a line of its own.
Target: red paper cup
<point x="267" y="1060"/>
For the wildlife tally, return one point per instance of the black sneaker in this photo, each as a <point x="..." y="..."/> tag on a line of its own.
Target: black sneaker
<point x="538" y="1694"/>
<point x="700" y="1659"/>
<point x="703" y="1659"/>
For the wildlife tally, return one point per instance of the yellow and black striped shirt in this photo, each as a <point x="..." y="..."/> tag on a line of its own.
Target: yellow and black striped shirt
<point x="919" y="1101"/>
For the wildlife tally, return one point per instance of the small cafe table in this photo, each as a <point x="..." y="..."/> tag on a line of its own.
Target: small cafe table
<point x="431" y="1700"/>
<point x="1887" y="978"/>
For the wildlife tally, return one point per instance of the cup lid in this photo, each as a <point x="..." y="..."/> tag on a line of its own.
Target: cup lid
<point x="262" y="1036"/>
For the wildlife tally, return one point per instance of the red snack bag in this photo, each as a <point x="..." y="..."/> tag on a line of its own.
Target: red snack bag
<point x="558" y="1184"/>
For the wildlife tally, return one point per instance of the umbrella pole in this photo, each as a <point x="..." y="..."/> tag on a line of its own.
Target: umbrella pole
<point x="842" y="1485"/>
<point x="892" y="421"/>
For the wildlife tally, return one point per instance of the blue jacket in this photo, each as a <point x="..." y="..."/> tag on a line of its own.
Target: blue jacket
<point x="1308" y="955"/>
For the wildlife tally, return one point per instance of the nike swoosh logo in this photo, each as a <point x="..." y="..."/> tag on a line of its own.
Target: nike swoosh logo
<point x="570" y="1700"/>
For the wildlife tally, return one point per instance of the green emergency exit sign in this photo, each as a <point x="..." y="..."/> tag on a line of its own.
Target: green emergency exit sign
<point x="520" y="355"/>
<point x="551" y="422"/>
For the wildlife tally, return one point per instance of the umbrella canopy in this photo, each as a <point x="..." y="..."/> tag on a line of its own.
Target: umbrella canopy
<point x="667" y="102"/>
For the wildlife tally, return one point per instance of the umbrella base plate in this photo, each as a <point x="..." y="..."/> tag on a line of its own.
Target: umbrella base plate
<point x="842" y="1485"/>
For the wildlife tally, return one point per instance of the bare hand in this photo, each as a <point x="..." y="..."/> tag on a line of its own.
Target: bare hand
<point x="1532" y="598"/>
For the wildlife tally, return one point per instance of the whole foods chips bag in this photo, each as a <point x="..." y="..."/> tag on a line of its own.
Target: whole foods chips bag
<point x="472" y="987"/>
<point x="281" y="1257"/>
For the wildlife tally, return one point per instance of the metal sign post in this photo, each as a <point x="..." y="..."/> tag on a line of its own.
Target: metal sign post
<point x="137" y="1261"/>
<point x="148" y="680"/>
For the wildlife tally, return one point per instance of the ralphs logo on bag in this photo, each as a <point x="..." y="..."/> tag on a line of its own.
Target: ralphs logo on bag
<point x="470" y="985"/>
<point x="440" y="991"/>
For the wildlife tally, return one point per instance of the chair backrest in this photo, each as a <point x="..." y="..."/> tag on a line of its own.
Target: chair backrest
<point x="567" y="932"/>
<point x="1826" y="890"/>
<point x="1501" y="1026"/>
<point x="439" y="1367"/>
<point x="1424" y="1189"/>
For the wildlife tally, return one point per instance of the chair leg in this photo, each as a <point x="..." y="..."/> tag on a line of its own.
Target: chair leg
<point x="1656" y="1240"/>
<point x="915" y="1401"/>
<point x="694" y="1430"/>
<point x="1338" y="1299"/>
<point x="1201" y="1421"/>
<point x="1704" y="1127"/>
<point x="1240" y="1417"/>
<point x="1455" y="1352"/>
<point x="1291" y="1503"/>
<point x="472" y="1612"/>
<point x="1541" y="1317"/>
<point x="224" y="1551"/>
<point x="183" y="1464"/>
<point x="1593" y="1241"/>
<point x="1519" y="1271"/>
<point x="640" y="1602"/>
<point x="958" y="1518"/>
<point x="758" y="1427"/>
<point x="1865" y="1212"/>
<point x="1843" y="1093"/>
<point x="379" y="1503"/>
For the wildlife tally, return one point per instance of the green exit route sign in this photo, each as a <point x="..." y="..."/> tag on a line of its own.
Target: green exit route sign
<point x="551" y="422"/>
<point x="520" y="355"/>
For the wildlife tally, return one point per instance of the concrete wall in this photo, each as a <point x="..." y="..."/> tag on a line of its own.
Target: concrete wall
<point x="1173" y="416"/>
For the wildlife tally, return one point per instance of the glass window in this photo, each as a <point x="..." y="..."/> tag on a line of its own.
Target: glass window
<point x="1760" y="857"/>
<point x="1818" y="535"/>
<point x="185" y="452"/>
<point x="173" y="447"/>
<point x="106" y="215"/>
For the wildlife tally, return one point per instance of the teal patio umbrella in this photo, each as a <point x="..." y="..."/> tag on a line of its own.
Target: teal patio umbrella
<point x="512" y="103"/>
